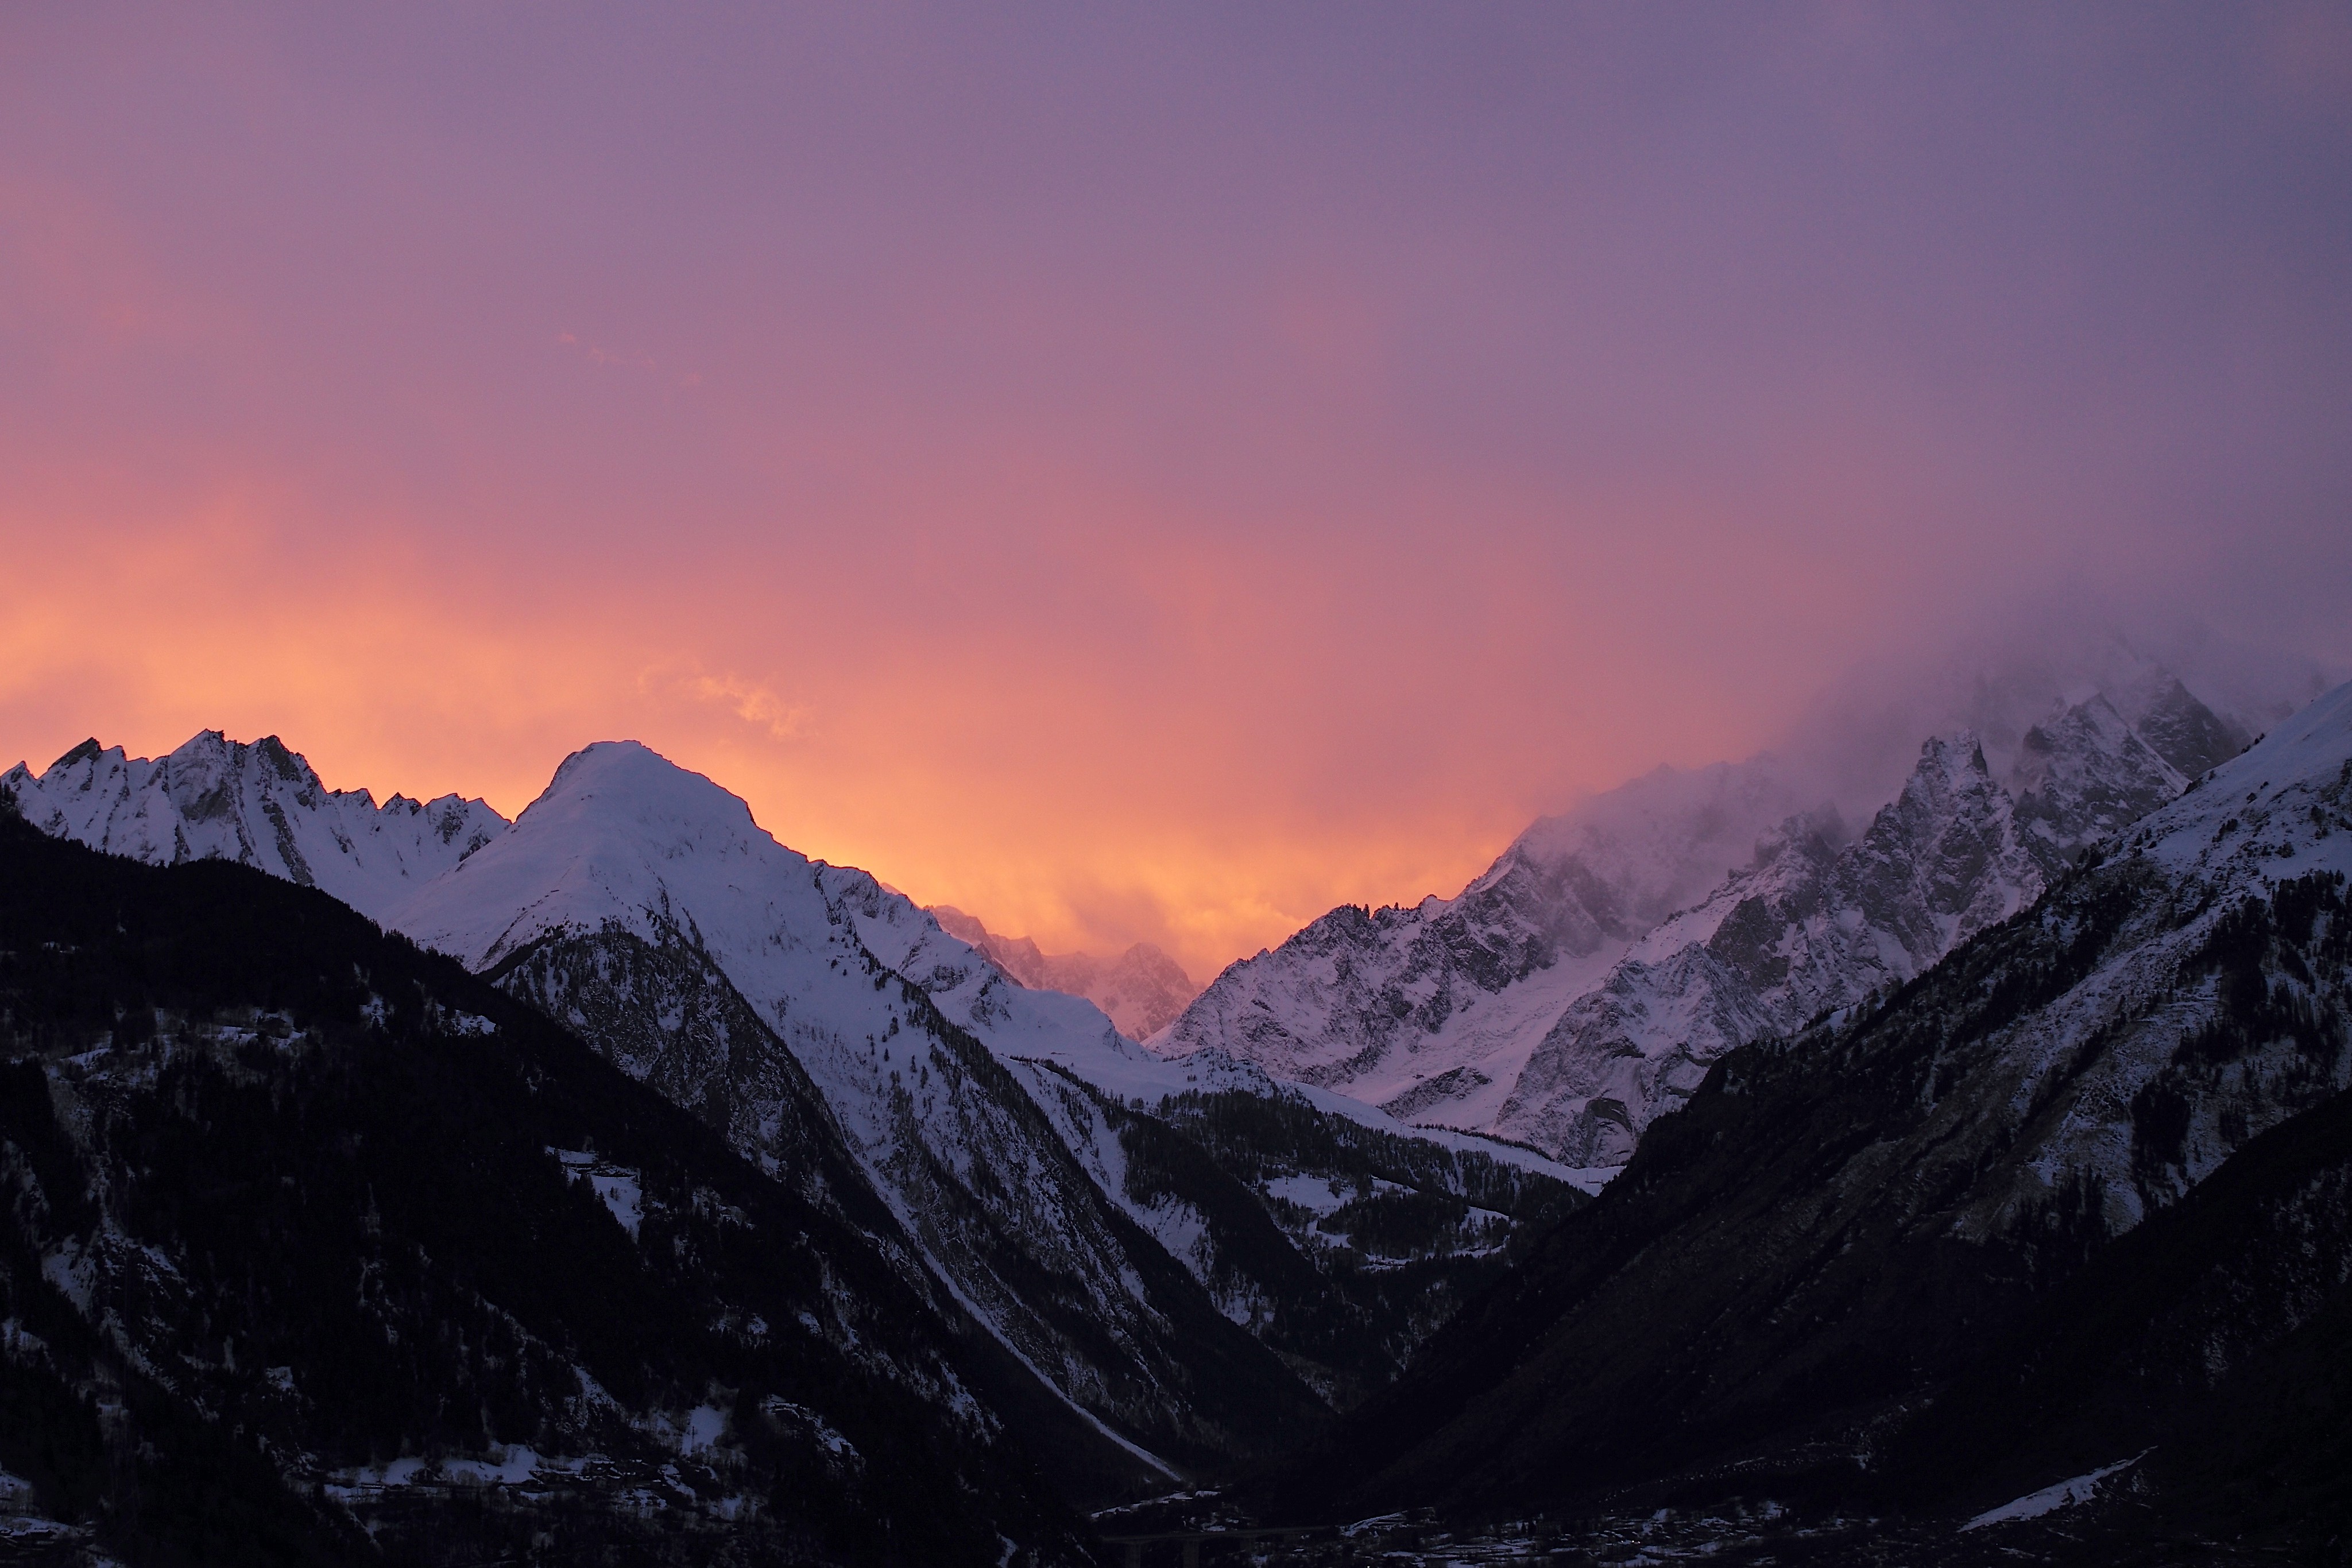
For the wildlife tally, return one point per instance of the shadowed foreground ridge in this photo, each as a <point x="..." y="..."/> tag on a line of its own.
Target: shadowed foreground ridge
<point x="309" y="1237"/>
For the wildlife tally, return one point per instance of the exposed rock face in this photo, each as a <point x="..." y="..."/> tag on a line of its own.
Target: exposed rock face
<point x="1142" y="990"/>
<point x="2087" y="775"/>
<point x="1432" y="1011"/>
<point x="2191" y="738"/>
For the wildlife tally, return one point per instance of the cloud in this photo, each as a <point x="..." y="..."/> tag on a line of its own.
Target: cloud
<point x="1857" y="738"/>
<point x="753" y="702"/>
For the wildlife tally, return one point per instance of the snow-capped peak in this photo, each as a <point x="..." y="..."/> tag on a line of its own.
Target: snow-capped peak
<point x="260" y="805"/>
<point x="621" y="834"/>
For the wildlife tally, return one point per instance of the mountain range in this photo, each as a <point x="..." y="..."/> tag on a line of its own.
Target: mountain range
<point x="1583" y="985"/>
<point x="1189" y="1264"/>
<point x="618" y="1184"/>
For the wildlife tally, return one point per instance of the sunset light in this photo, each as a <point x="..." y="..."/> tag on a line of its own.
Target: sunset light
<point x="934" y="786"/>
<point x="1152" y="479"/>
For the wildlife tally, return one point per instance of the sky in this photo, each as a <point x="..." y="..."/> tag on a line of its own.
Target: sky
<point x="1145" y="473"/>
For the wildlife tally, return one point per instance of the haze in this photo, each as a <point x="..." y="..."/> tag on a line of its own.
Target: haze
<point x="1154" y="472"/>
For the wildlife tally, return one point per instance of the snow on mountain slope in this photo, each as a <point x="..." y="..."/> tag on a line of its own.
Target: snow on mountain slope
<point x="1557" y="1002"/>
<point x="259" y="805"/>
<point x="1432" y="1011"/>
<point x="1814" y="926"/>
<point x="2272" y="813"/>
<point x="1142" y="989"/>
<point x="2186" y="989"/>
<point x="627" y="848"/>
<point x="1123" y="1114"/>
<point x="2229" y="1013"/>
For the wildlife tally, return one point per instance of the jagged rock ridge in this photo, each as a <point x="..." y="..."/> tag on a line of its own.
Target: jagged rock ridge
<point x="1817" y="924"/>
<point x="1603" y="1013"/>
<point x="1432" y="1010"/>
<point x="258" y="805"/>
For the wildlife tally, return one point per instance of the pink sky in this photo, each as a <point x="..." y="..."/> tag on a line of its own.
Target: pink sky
<point x="1139" y="474"/>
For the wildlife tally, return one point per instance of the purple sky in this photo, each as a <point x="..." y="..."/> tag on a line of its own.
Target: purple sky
<point x="1143" y="473"/>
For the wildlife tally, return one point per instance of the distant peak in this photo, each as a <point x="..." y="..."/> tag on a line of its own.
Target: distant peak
<point x="1141" y="990"/>
<point x="957" y="923"/>
<point x="607" y="764"/>
<point x="89" y="748"/>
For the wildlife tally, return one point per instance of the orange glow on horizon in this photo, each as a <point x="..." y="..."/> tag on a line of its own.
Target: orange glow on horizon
<point x="1086" y="803"/>
<point x="1151" y="477"/>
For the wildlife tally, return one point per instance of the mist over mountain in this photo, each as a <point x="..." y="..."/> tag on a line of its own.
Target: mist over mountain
<point x="1586" y="981"/>
<point x="1141" y="990"/>
<point x="1817" y="924"/>
<point x="1856" y="739"/>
